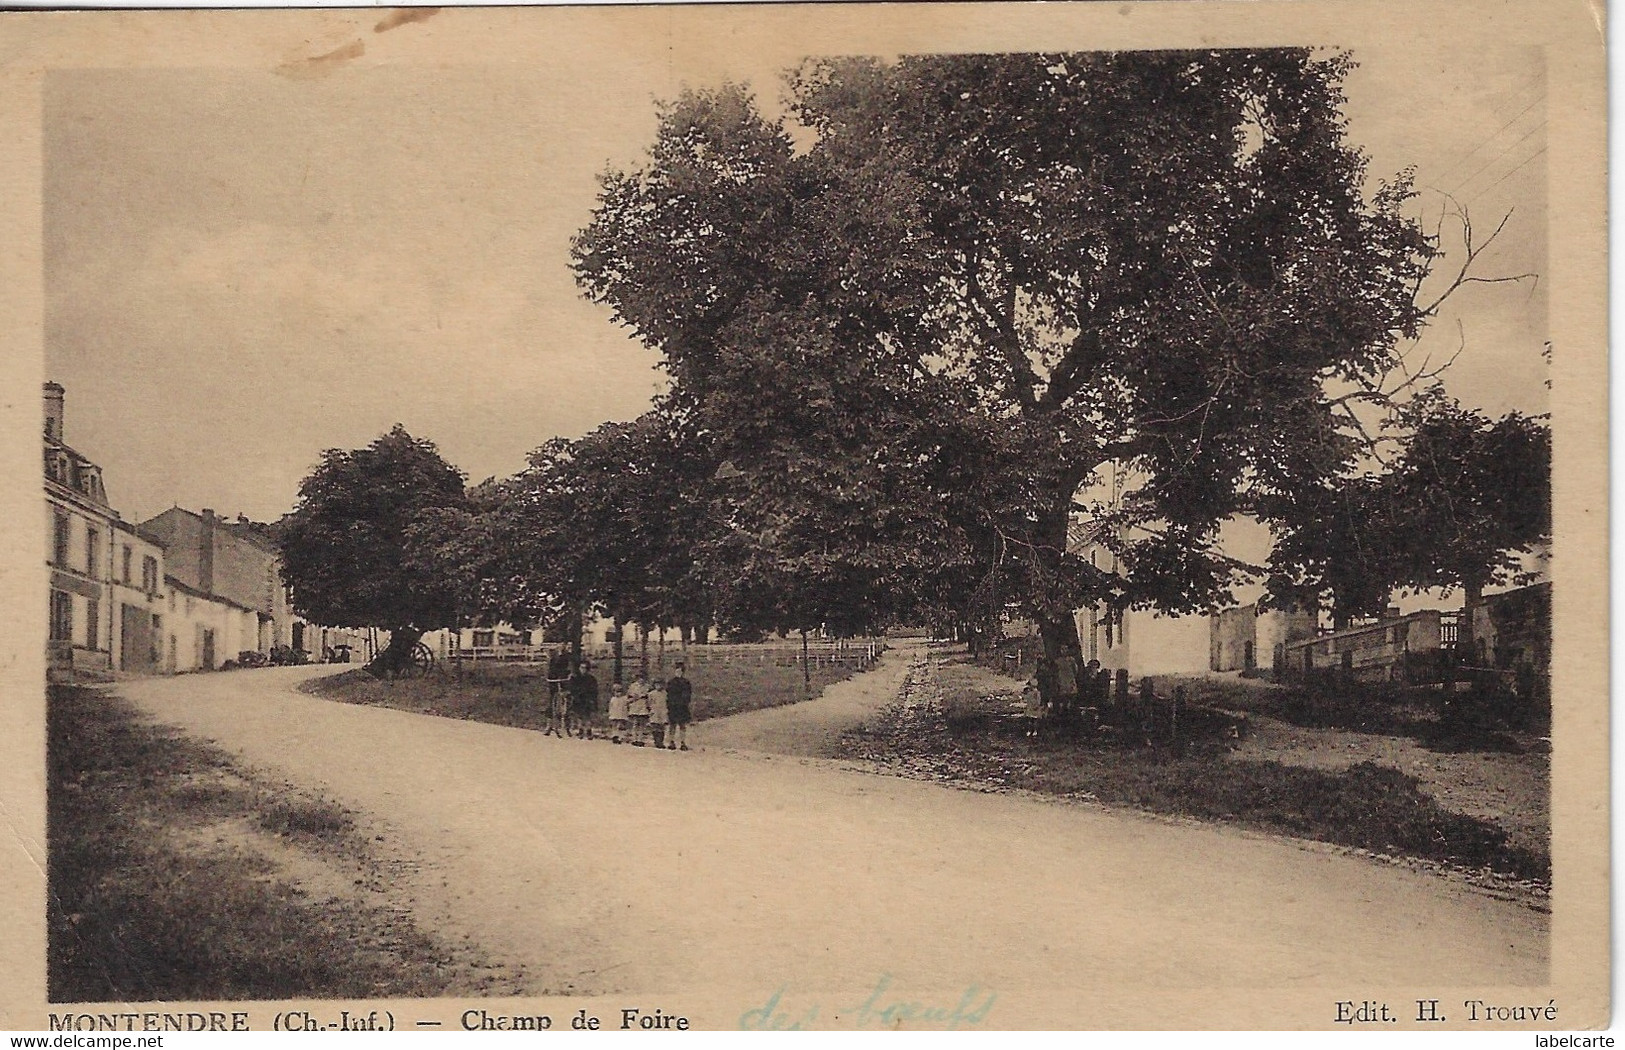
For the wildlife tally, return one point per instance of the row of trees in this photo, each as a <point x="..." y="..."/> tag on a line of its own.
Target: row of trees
<point x="907" y="335"/>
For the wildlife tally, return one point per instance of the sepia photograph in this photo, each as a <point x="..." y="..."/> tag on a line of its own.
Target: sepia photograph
<point x="781" y="517"/>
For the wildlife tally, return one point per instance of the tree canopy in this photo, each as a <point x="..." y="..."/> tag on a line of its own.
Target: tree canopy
<point x="346" y="553"/>
<point x="1475" y="493"/>
<point x="1463" y="500"/>
<point x="1153" y="260"/>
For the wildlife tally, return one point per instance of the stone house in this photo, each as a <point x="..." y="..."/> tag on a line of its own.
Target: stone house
<point x="233" y="563"/>
<point x="80" y="525"/>
<point x="1245" y="638"/>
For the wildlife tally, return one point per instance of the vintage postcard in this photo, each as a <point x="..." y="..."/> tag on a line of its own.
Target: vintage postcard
<point x="880" y="517"/>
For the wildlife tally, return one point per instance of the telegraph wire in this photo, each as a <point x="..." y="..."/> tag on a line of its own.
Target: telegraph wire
<point x="1461" y="161"/>
<point x="1507" y="174"/>
<point x="1483" y="167"/>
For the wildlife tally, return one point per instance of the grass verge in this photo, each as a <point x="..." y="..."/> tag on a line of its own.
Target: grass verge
<point x="168" y="878"/>
<point x="939" y="733"/>
<point x="1439" y="722"/>
<point x="516" y="694"/>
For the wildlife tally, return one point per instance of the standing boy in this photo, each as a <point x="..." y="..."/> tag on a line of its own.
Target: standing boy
<point x="583" y="701"/>
<point x="558" y="697"/>
<point x="679" y="705"/>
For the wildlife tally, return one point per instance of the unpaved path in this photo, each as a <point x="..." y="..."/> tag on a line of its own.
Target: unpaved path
<point x="729" y="875"/>
<point x="813" y="728"/>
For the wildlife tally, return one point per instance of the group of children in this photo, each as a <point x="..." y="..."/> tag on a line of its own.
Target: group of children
<point x="646" y="712"/>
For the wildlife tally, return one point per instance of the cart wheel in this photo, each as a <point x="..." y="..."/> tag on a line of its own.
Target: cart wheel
<point x="422" y="661"/>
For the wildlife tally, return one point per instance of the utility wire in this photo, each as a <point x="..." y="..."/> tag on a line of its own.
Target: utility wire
<point x="1461" y="161"/>
<point x="1482" y="167"/>
<point x="1511" y="171"/>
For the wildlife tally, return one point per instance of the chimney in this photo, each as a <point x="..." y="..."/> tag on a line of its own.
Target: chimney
<point x="53" y="410"/>
<point x="1391" y="613"/>
<point x="205" y="553"/>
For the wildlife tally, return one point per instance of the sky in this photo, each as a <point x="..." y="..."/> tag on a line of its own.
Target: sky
<point x="245" y="267"/>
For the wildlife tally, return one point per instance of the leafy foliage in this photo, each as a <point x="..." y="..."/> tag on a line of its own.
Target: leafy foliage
<point x="1475" y="492"/>
<point x="346" y="548"/>
<point x="1152" y="259"/>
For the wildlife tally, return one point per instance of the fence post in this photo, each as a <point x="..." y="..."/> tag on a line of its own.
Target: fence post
<point x="1173" y="722"/>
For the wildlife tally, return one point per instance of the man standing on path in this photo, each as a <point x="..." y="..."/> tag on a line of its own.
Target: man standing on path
<point x="558" y="698"/>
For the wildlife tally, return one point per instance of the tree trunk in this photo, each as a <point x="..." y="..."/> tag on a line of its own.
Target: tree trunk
<point x="397" y="655"/>
<point x="457" y="653"/>
<point x="1056" y="627"/>
<point x="643" y="649"/>
<point x="1466" y="643"/>
<point x="1059" y="633"/>
<point x="578" y="624"/>
<point x="619" y="648"/>
<point x="806" y="668"/>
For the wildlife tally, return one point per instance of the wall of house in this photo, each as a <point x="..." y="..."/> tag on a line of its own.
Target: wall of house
<point x="180" y="532"/>
<point x="190" y="616"/>
<point x="138" y="597"/>
<point x="83" y="576"/>
<point x="1277" y="628"/>
<point x="1233" y="639"/>
<point x="1145" y="643"/>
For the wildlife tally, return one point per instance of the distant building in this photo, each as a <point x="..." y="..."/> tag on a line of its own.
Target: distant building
<point x="1372" y="651"/>
<point x="1139" y="641"/>
<point x="233" y="563"/>
<point x="1245" y="638"/>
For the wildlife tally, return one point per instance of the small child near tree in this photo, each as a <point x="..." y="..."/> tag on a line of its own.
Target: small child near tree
<point x="1032" y="700"/>
<point x="617" y="711"/>
<point x="659" y="716"/>
<point x="637" y="710"/>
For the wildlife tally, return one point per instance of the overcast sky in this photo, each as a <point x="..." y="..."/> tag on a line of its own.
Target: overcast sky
<point x="243" y="268"/>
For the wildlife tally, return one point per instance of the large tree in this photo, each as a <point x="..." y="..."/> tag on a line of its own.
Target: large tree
<point x="1475" y="495"/>
<point x="346" y="549"/>
<point x="1341" y="544"/>
<point x="610" y="522"/>
<point x="1158" y="261"/>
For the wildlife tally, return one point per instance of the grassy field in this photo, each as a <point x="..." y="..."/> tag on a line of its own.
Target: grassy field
<point x="174" y="876"/>
<point x="960" y="727"/>
<point x="1441" y="722"/>
<point x="516" y="694"/>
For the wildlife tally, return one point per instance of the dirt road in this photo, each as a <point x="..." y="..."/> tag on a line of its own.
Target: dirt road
<point x="814" y="727"/>
<point x="730" y="874"/>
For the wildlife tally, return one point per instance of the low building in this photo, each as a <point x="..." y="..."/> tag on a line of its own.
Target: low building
<point x="1245" y="638"/>
<point x="234" y="562"/>
<point x="205" y="630"/>
<point x="1375" y="651"/>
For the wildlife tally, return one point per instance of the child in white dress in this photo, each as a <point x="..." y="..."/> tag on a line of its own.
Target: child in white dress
<point x="658" y="715"/>
<point x="637" y="710"/>
<point x="617" y="712"/>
